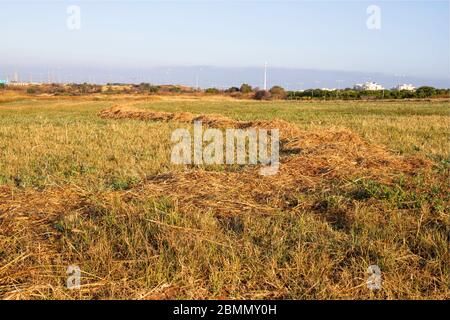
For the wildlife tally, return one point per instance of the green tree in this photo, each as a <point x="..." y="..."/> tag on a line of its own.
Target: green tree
<point x="246" y="88"/>
<point x="278" y="92"/>
<point x="425" y="92"/>
<point x="147" y="87"/>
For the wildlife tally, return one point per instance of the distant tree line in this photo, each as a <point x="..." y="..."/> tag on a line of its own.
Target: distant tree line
<point x="278" y="92"/>
<point x="350" y="94"/>
<point x="245" y="91"/>
<point x="147" y="88"/>
<point x="70" y="89"/>
<point x="110" y="88"/>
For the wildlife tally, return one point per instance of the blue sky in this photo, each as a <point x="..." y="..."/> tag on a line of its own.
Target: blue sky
<point x="326" y="35"/>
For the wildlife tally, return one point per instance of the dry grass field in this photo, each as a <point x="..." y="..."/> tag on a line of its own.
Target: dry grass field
<point x="360" y="184"/>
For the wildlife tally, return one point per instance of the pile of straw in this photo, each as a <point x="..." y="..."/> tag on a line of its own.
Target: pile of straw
<point x="321" y="157"/>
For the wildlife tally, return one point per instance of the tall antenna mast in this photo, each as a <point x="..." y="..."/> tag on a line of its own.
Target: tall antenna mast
<point x="265" y="76"/>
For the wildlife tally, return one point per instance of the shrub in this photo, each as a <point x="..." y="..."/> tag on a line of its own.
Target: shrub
<point x="233" y="90"/>
<point x="148" y="88"/>
<point x="33" y="90"/>
<point x="278" y="92"/>
<point x="263" y="95"/>
<point x="237" y="95"/>
<point x="175" y="90"/>
<point x="212" y="91"/>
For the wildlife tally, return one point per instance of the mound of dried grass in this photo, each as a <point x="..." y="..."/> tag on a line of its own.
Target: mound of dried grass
<point x="287" y="130"/>
<point x="333" y="148"/>
<point x="311" y="160"/>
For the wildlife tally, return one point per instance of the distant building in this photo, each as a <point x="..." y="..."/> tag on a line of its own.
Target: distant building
<point x="22" y="84"/>
<point x="369" y="86"/>
<point x="407" y="87"/>
<point x="328" y="89"/>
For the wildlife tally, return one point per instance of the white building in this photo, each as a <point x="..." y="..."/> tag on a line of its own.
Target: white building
<point x="407" y="87"/>
<point x="369" y="86"/>
<point x="22" y="84"/>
